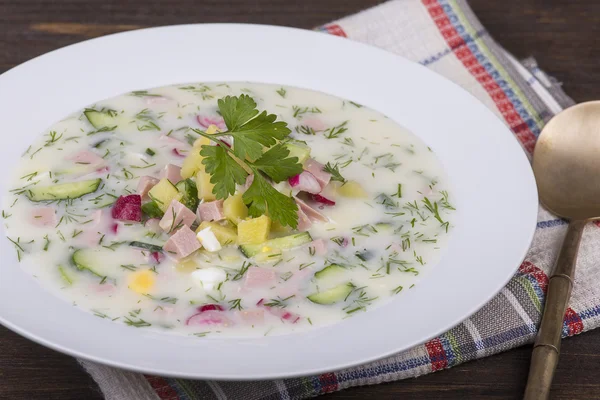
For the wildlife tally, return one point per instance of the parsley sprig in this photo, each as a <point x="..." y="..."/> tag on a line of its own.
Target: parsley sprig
<point x="252" y="134"/>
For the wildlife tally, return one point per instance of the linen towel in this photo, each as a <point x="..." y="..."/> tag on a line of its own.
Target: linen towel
<point x="445" y="36"/>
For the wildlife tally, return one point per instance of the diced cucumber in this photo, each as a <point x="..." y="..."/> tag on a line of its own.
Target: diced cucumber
<point x="329" y="271"/>
<point x="65" y="275"/>
<point x="189" y="193"/>
<point x="146" y="246"/>
<point x="384" y="227"/>
<point x="282" y="243"/>
<point x="101" y="119"/>
<point x="335" y="294"/>
<point x="152" y="210"/>
<point x="63" y="191"/>
<point x="298" y="149"/>
<point x="91" y="260"/>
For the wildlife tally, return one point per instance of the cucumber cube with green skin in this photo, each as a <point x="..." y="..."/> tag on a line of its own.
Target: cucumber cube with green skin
<point x="282" y="243"/>
<point x="331" y="296"/>
<point x="152" y="210"/>
<point x="92" y="261"/>
<point x="101" y="119"/>
<point x="189" y="193"/>
<point x="299" y="150"/>
<point x="330" y="271"/>
<point x="63" y="191"/>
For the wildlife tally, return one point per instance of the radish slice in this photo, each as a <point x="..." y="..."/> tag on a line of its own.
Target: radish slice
<point x="210" y="307"/>
<point x="206" y="121"/>
<point x="209" y="318"/>
<point x="178" y="153"/>
<point x="323" y="200"/>
<point x="305" y="182"/>
<point x="280" y="312"/>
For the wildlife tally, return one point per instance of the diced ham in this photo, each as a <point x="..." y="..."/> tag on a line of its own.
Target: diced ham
<point x="316" y="168"/>
<point x="205" y="121"/>
<point x="105" y="288"/>
<point x="305" y="182"/>
<point x="173" y="141"/>
<point x="304" y="223"/>
<point x="44" y="216"/>
<point x="209" y="318"/>
<point x="182" y="243"/>
<point x="145" y="184"/>
<point x="128" y="208"/>
<point x="176" y="215"/>
<point x="314" y="123"/>
<point x="312" y="214"/>
<point x="259" y="277"/>
<point x="87" y="157"/>
<point x="172" y="172"/>
<point x="253" y="316"/>
<point x="211" y="211"/>
<point x="320" y="246"/>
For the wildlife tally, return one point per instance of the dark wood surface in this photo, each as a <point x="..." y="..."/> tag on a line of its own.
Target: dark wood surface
<point x="564" y="35"/>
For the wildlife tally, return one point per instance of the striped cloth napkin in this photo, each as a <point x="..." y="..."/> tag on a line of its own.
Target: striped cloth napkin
<point x="445" y="36"/>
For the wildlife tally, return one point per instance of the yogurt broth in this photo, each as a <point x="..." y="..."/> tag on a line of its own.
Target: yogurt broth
<point x="157" y="209"/>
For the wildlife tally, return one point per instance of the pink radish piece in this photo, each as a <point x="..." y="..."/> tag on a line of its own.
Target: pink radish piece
<point x="206" y="121"/>
<point x="210" y="307"/>
<point x="209" y="318"/>
<point x="305" y="182"/>
<point x="323" y="200"/>
<point x="178" y="153"/>
<point x="128" y="208"/>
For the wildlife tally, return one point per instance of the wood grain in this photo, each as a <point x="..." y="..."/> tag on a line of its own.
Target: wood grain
<point x="563" y="35"/>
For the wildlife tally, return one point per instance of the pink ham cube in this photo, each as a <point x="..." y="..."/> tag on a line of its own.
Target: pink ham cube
<point x="260" y="277"/>
<point x="320" y="246"/>
<point x="145" y="184"/>
<point x="253" y="316"/>
<point x="172" y="172"/>
<point x="87" y="157"/>
<point x="310" y="212"/>
<point x="211" y="211"/>
<point x="44" y="216"/>
<point x="182" y="243"/>
<point x="316" y="168"/>
<point x="176" y="215"/>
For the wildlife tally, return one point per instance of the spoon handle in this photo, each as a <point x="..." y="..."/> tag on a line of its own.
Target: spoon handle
<point x="547" y="342"/>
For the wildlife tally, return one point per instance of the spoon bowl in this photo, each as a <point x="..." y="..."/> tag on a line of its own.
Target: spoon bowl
<point x="566" y="163"/>
<point x="566" y="166"/>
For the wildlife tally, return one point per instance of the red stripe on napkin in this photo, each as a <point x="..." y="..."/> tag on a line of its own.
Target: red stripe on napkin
<point x="437" y="354"/>
<point x="336" y="30"/>
<point x="162" y="388"/>
<point x="329" y="382"/>
<point x="468" y="59"/>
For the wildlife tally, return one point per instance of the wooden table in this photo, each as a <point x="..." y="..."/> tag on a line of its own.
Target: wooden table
<point x="564" y="36"/>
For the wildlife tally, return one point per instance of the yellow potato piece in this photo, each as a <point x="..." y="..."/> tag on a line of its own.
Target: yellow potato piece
<point x="142" y="281"/>
<point x="352" y="189"/>
<point x="254" y="231"/>
<point x="234" y="208"/>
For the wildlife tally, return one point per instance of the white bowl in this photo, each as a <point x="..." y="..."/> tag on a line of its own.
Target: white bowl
<point x="493" y="188"/>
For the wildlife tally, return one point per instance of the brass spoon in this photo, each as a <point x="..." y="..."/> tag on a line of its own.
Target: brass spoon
<point x="567" y="170"/>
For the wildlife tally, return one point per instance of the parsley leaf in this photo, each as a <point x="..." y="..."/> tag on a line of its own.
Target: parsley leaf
<point x="225" y="171"/>
<point x="236" y="111"/>
<point x="250" y="130"/>
<point x="262" y="197"/>
<point x="250" y="138"/>
<point x="275" y="164"/>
